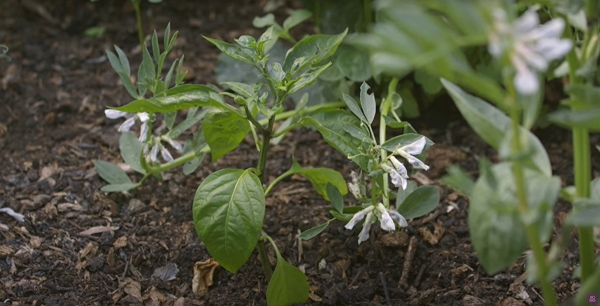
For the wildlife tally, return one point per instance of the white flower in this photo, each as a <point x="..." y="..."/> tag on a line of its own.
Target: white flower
<point x="529" y="46"/>
<point x="411" y="149"/>
<point x="386" y="218"/>
<point x="398" y="173"/>
<point x="131" y="118"/>
<point x="165" y="154"/>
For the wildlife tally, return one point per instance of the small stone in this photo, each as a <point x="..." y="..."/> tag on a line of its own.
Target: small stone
<point x="136" y="205"/>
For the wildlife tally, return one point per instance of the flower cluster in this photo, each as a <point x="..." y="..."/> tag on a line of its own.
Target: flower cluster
<point x="396" y="169"/>
<point x="385" y="216"/>
<point x="529" y="46"/>
<point x="152" y="145"/>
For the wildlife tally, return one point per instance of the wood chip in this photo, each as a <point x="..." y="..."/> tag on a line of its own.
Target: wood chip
<point x="98" y="230"/>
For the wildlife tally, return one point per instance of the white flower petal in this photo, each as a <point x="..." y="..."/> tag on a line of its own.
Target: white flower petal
<point x="398" y="180"/>
<point x="553" y="48"/>
<point x="176" y="145"/>
<point x="387" y="224"/>
<point x="143" y="117"/>
<point x="364" y="233"/>
<point x="144" y="132"/>
<point x="552" y="28"/>
<point x="358" y="217"/>
<point x="166" y="155"/>
<point x="414" y="148"/>
<point x="417" y="163"/>
<point x="126" y="126"/>
<point x="527" y="22"/>
<point x="154" y="153"/>
<point x="114" y="114"/>
<point x="532" y="58"/>
<point x="396" y="216"/>
<point x="526" y="82"/>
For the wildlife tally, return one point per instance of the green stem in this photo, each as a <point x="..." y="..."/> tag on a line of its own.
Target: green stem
<point x="387" y="104"/>
<point x="582" y="171"/>
<point x="277" y="180"/>
<point x="368" y="15"/>
<point x="533" y="236"/>
<point x="266" y="141"/>
<point x="138" y="19"/>
<point x="264" y="259"/>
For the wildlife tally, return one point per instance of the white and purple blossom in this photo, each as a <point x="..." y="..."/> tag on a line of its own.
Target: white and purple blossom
<point x="528" y="45"/>
<point x="131" y="118"/>
<point x="386" y="218"/>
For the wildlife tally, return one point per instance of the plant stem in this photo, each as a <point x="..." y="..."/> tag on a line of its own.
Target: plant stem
<point x="387" y="105"/>
<point x="138" y="19"/>
<point x="266" y="141"/>
<point x="533" y="235"/>
<point x="277" y="180"/>
<point x="264" y="259"/>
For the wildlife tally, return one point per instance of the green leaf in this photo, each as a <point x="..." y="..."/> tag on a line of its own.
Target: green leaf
<point x="288" y="285"/>
<point x="335" y="197"/>
<point x="180" y="97"/>
<point x="401" y="195"/>
<point x="229" y="207"/>
<point x="333" y="126"/>
<point x="121" y="66"/>
<point x="307" y="78"/>
<point x="420" y="202"/>
<point x="315" y="49"/>
<point x="184" y="125"/>
<point x="354" y="108"/>
<point x="131" y="151"/>
<point x="586" y="214"/>
<point x="320" y="178"/>
<point x="241" y="89"/>
<point x="192" y="165"/>
<point x="223" y="132"/>
<point x="146" y="73"/>
<point x="235" y="52"/>
<point x="296" y="18"/>
<point x="312" y="232"/>
<point x="492" y="125"/>
<point x="119" y="187"/>
<point x="589" y="118"/>
<point x="111" y="173"/>
<point x="367" y="102"/>
<point x="458" y="179"/>
<point x="353" y="63"/>
<point x="586" y="93"/>
<point x="265" y="21"/>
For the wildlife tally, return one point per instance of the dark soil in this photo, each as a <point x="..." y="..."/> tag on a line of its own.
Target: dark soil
<point x="52" y="127"/>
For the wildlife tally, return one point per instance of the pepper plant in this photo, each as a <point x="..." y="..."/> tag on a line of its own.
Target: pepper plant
<point x="511" y="207"/>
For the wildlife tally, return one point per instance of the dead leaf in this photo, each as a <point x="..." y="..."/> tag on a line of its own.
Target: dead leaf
<point x="121" y="242"/>
<point x="203" y="275"/>
<point x="90" y="249"/>
<point x="132" y="288"/>
<point x="35" y="242"/>
<point x="167" y="272"/>
<point x="6" y="251"/>
<point x="153" y="296"/>
<point x="98" y="230"/>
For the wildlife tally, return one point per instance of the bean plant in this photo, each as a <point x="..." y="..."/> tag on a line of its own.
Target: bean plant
<point x="229" y="205"/>
<point x="512" y="202"/>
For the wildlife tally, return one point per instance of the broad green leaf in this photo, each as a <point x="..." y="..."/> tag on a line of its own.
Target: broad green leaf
<point x="589" y="119"/>
<point x="235" y="52"/>
<point x="401" y="195"/>
<point x="586" y="213"/>
<point x="229" y="207"/>
<point x="288" y="285"/>
<point x="307" y="78"/>
<point x="242" y="89"/>
<point x="184" y="125"/>
<point x="319" y="178"/>
<point x="119" y="187"/>
<point x="312" y="232"/>
<point x="335" y="197"/>
<point x="497" y="228"/>
<point x="131" y="151"/>
<point x="419" y="202"/>
<point x="332" y="124"/>
<point x="192" y="165"/>
<point x="586" y="93"/>
<point x="353" y="63"/>
<point x="176" y="99"/>
<point x="367" y="102"/>
<point x="111" y="173"/>
<point x="265" y="21"/>
<point x="492" y="125"/>
<point x="498" y="237"/>
<point x="223" y="132"/>
<point x="458" y="179"/>
<point x="296" y="18"/>
<point x="354" y="108"/>
<point x="314" y="48"/>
